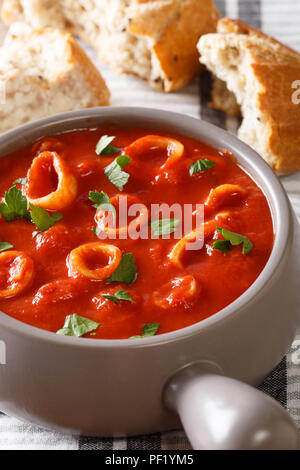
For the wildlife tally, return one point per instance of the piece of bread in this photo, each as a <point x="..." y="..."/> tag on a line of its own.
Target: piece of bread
<point x="223" y="99"/>
<point x="43" y="73"/>
<point x="152" y="39"/>
<point x="260" y="71"/>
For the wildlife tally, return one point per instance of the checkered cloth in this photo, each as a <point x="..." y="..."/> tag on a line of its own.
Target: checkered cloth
<point x="275" y="17"/>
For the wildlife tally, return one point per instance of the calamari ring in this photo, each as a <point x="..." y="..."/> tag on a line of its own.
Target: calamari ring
<point x="63" y="187"/>
<point x="173" y="147"/>
<point x="50" y="143"/>
<point x="179" y="291"/>
<point x="206" y="230"/>
<point x="139" y="221"/>
<point x="60" y="291"/>
<point x="16" y="273"/>
<point x="222" y="194"/>
<point x="84" y="260"/>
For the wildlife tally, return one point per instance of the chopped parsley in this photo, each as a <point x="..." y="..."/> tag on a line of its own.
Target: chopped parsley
<point x="5" y="246"/>
<point x="234" y="239"/>
<point x="126" y="272"/>
<point x="119" y="295"/>
<point x="115" y="173"/>
<point x="20" y="181"/>
<point x="201" y="165"/>
<point x="14" y="206"/>
<point x="164" y="226"/>
<point x="77" y="326"/>
<point x="148" y="330"/>
<point x="42" y="218"/>
<point x="104" y="148"/>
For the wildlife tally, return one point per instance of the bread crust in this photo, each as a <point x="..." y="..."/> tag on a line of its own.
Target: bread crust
<point x="183" y="23"/>
<point x="80" y="61"/>
<point x="40" y="82"/>
<point x="275" y="67"/>
<point x="171" y="28"/>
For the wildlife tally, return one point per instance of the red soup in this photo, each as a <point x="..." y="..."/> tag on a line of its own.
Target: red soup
<point x="71" y="263"/>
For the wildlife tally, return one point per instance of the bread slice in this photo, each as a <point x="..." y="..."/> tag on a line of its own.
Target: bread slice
<point x="260" y="71"/>
<point x="223" y="99"/>
<point x="152" y="39"/>
<point x="46" y="72"/>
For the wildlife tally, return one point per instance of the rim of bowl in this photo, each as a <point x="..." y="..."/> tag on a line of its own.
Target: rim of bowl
<point x="249" y="160"/>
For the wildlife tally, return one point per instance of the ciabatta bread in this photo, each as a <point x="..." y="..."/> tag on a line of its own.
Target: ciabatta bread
<point x="46" y="72"/>
<point x="260" y="72"/>
<point x="152" y="39"/>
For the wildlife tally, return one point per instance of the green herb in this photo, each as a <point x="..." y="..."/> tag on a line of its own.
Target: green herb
<point x="115" y="173"/>
<point x="42" y="219"/>
<point x="96" y="231"/>
<point x="126" y="272"/>
<point x="104" y="148"/>
<point x="20" y="181"/>
<point x="77" y="326"/>
<point x="148" y="330"/>
<point x="201" y="165"/>
<point x="164" y="226"/>
<point x="119" y="295"/>
<point x="101" y="201"/>
<point x="222" y="245"/>
<point x="5" y="246"/>
<point x="15" y="205"/>
<point x="236" y="239"/>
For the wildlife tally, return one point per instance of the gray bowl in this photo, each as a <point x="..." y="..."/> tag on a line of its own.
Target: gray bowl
<point x="201" y="373"/>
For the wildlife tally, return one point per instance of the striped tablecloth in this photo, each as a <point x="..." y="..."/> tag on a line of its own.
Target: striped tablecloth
<point x="278" y="18"/>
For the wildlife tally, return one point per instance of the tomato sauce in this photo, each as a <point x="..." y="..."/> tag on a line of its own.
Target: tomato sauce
<point x="169" y="294"/>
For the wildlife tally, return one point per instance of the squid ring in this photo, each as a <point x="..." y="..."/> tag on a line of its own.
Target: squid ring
<point x="201" y="233"/>
<point x="50" y="143"/>
<point x="16" y="273"/>
<point x="139" y="221"/>
<point x="49" y="165"/>
<point x="222" y="194"/>
<point x="205" y="231"/>
<point x="178" y="291"/>
<point x="95" y="261"/>
<point x="173" y="147"/>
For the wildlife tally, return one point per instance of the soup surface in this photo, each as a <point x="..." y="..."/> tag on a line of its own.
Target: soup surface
<point x="68" y="265"/>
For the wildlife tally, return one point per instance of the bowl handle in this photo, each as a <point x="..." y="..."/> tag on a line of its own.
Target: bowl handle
<point x="220" y="413"/>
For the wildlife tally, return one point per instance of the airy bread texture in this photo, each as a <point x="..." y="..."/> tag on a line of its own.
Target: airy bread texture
<point x="223" y="99"/>
<point x="260" y="72"/>
<point x="46" y="72"/>
<point x="153" y="39"/>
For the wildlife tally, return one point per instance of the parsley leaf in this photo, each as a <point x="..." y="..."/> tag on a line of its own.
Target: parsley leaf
<point x="148" y="330"/>
<point x="119" y="295"/>
<point x="126" y="271"/>
<point x="5" y="246"/>
<point x="236" y="239"/>
<point x="42" y="219"/>
<point x="96" y="231"/>
<point x="201" y="165"/>
<point x="115" y="173"/>
<point x="15" y="205"/>
<point x="104" y="148"/>
<point x="222" y="245"/>
<point x="164" y="226"/>
<point x="101" y="201"/>
<point x="77" y="326"/>
<point x="20" y="181"/>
